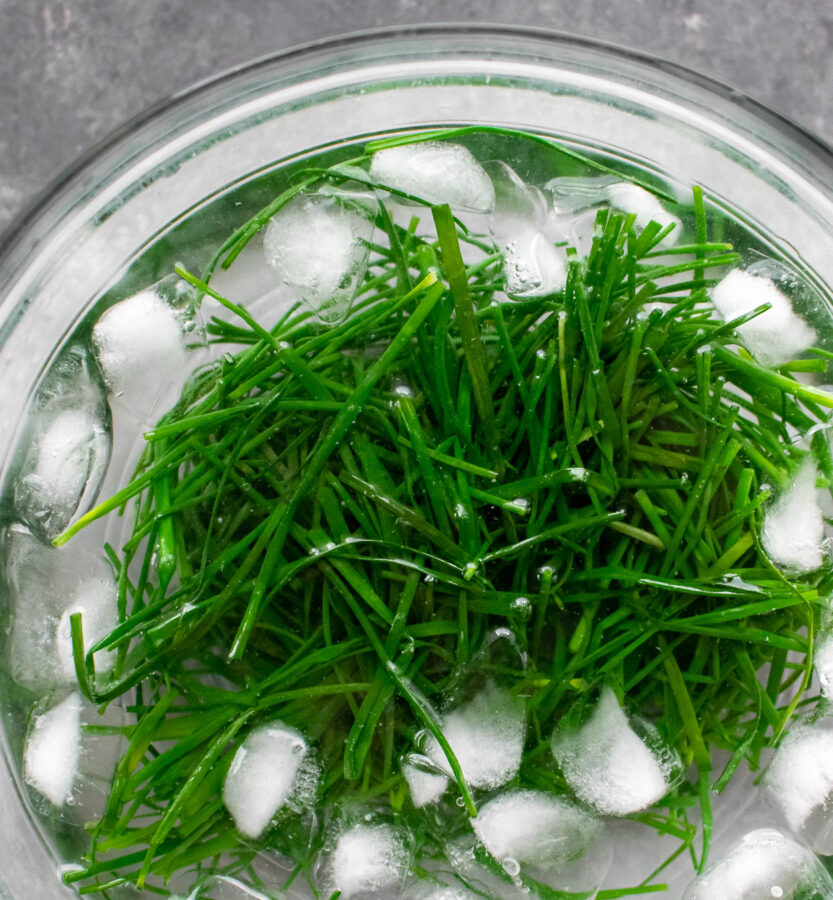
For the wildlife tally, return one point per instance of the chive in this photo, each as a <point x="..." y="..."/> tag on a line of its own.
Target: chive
<point x="339" y="522"/>
<point x="469" y="332"/>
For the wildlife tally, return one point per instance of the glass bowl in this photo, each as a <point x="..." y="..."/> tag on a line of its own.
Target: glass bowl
<point x="145" y="181"/>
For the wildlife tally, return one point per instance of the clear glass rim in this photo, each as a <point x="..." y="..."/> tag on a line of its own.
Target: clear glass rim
<point x="35" y="208"/>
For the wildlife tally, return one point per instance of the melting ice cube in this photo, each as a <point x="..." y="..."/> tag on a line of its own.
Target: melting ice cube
<point x="534" y="828"/>
<point x="576" y="200"/>
<point x="572" y="195"/>
<point x="70" y="766"/>
<point x="823" y="663"/>
<point x="67" y="443"/>
<point x="65" y="460"/>
<point x="763" y="865"/>
<point x="793" y="528"/>
<point x="369" y="861"/>
<point x="609" y="766"/>
<point x="52" y="750"/>
<point x="436" y="172"/>
<point x="268" y="767"/>
<point x="140" y="346"/>
<point x="94" y="596"/>
<point x="630" y="198"/>
<point x="426" y="786"/>
<point x="45" y="586"/>
<point x="532" y="265"/>
<point x="487" y="736"/>
<point x="774" y="337"/>
<point x="799" y="782"/>
<point x="319" y="248"/>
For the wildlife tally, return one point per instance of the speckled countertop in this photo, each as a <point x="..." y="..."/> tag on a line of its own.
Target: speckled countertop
<point x="72" y="70"/>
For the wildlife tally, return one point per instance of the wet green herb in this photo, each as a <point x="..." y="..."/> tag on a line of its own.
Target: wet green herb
<point x="334" y="520"/>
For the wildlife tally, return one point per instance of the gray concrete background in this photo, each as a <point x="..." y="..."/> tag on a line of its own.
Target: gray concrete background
<point x="72" y="70"/>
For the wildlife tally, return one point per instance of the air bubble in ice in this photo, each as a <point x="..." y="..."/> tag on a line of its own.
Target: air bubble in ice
<point x="511" y="866"/>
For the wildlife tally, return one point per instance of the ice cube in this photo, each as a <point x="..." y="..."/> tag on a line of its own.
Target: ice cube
<point x="436" y="172"/>
<point x="65" y="460"/>
<point x="534" y="828"/>
<point x="576" y="194"/>
<point x="609" y="766"/>
<point x="44" y="586"/>
<point x="774" y="337"/>
<point x="575" y="202"/>
<point x="67" y="761"/>
<point x="319" y="248"/>
<point x="532" y="265"/>
<point x="487" y="736"/>
<point x="823" y="663"/>
<point x="65" y="447"/>
<point x="140" y="346"/>
<point x="793" y="528"/>
<point x="52" y="750"/>
<point x="95" y="597"/>
<point x="799" y="782"/>
<point x="762" y="865"/>
<point x="369" y="861"/>
<point x="426" y="786"/>
<point x="630" y="198"/>
<point x="266" y="770"/>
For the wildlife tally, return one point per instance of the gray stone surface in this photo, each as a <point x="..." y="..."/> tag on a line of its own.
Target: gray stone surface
<point x="71" y="70"/>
